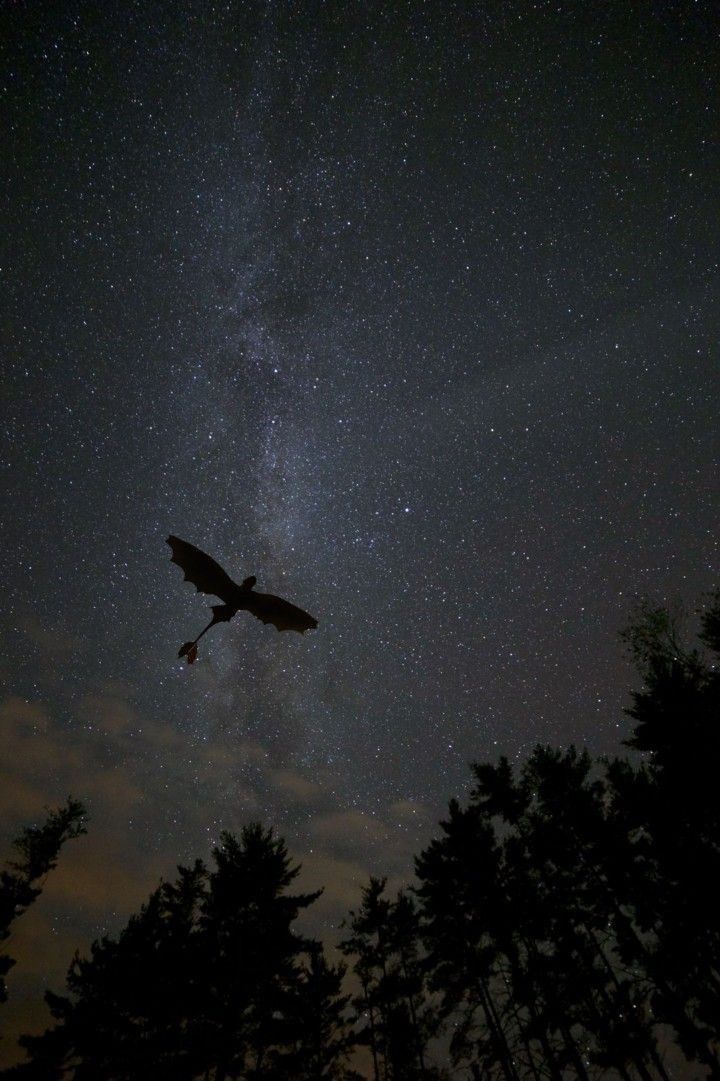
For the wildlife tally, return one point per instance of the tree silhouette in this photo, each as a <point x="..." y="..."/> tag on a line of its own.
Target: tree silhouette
<point x="208" y="980"/>
<point x="675" y="821"/>
<point x="519" y="912"/>
<point x="567" y="910"/>
<point x="459" y="900"/>
<point x="562" y="920"/>
<point x="397" y="1021"/>
<point x="21" y="882"/>
<point x="322" y="1036"/>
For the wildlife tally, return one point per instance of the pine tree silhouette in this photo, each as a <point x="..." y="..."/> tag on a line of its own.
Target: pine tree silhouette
<point x="208" y="980"/>
<point x="399" y="1021"/>
<point x="38" y="848"/>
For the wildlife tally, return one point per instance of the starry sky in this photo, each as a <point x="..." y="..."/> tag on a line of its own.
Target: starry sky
<point x="408" y="309"/>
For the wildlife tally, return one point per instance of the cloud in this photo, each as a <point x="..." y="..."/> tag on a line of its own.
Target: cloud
<point x="101" y="878"/>
<point x="407" y="812"/>
<point x="296" y="785"/>
<point x="348" y="827"/>
<point x="47" y="648"/>
<point x="53" y="641"/>
<point x="341" y="881"/>
<point x="110" y="713"/>
<point x="36" y="765"/>
<point x="26" y="717"/>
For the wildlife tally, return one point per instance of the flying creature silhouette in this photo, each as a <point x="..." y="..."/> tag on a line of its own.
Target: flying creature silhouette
<point x="209" y="577"/>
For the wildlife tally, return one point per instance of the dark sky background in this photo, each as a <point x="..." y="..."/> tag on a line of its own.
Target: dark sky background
<point x="410" y="310"/>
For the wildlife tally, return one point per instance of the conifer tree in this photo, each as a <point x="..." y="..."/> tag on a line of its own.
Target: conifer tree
<point x="209" y="980"/>
<point x="398" y="1021"/>
<point x="38" y="848"/>
<point x="460" y="902"/>
<point x="675" y="831"/>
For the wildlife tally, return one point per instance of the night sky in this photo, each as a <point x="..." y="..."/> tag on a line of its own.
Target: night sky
<point x="408" y="309"/>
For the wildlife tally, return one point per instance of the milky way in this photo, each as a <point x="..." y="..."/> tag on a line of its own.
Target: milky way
<point x="409" y="310"/>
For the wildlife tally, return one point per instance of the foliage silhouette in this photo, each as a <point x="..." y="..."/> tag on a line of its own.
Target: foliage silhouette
<point x="675" y="801"/>
<point x="209" y="979"/>
<point x="392" y="1009"/>
<point x="567" y="911"/>
<point x="21" y="882"/>
<point x="562" y="924"/>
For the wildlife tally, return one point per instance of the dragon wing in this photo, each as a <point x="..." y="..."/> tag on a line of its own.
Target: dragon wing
<point x="281" y="613"/>
<point x="205" y="574"/>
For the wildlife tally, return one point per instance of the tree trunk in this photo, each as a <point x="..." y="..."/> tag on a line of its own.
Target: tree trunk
<point x="498" y="1034"/>
<point x="512" y="953"/>
<point x="413" y="1018"/>
<point x="373" y="1037"/>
